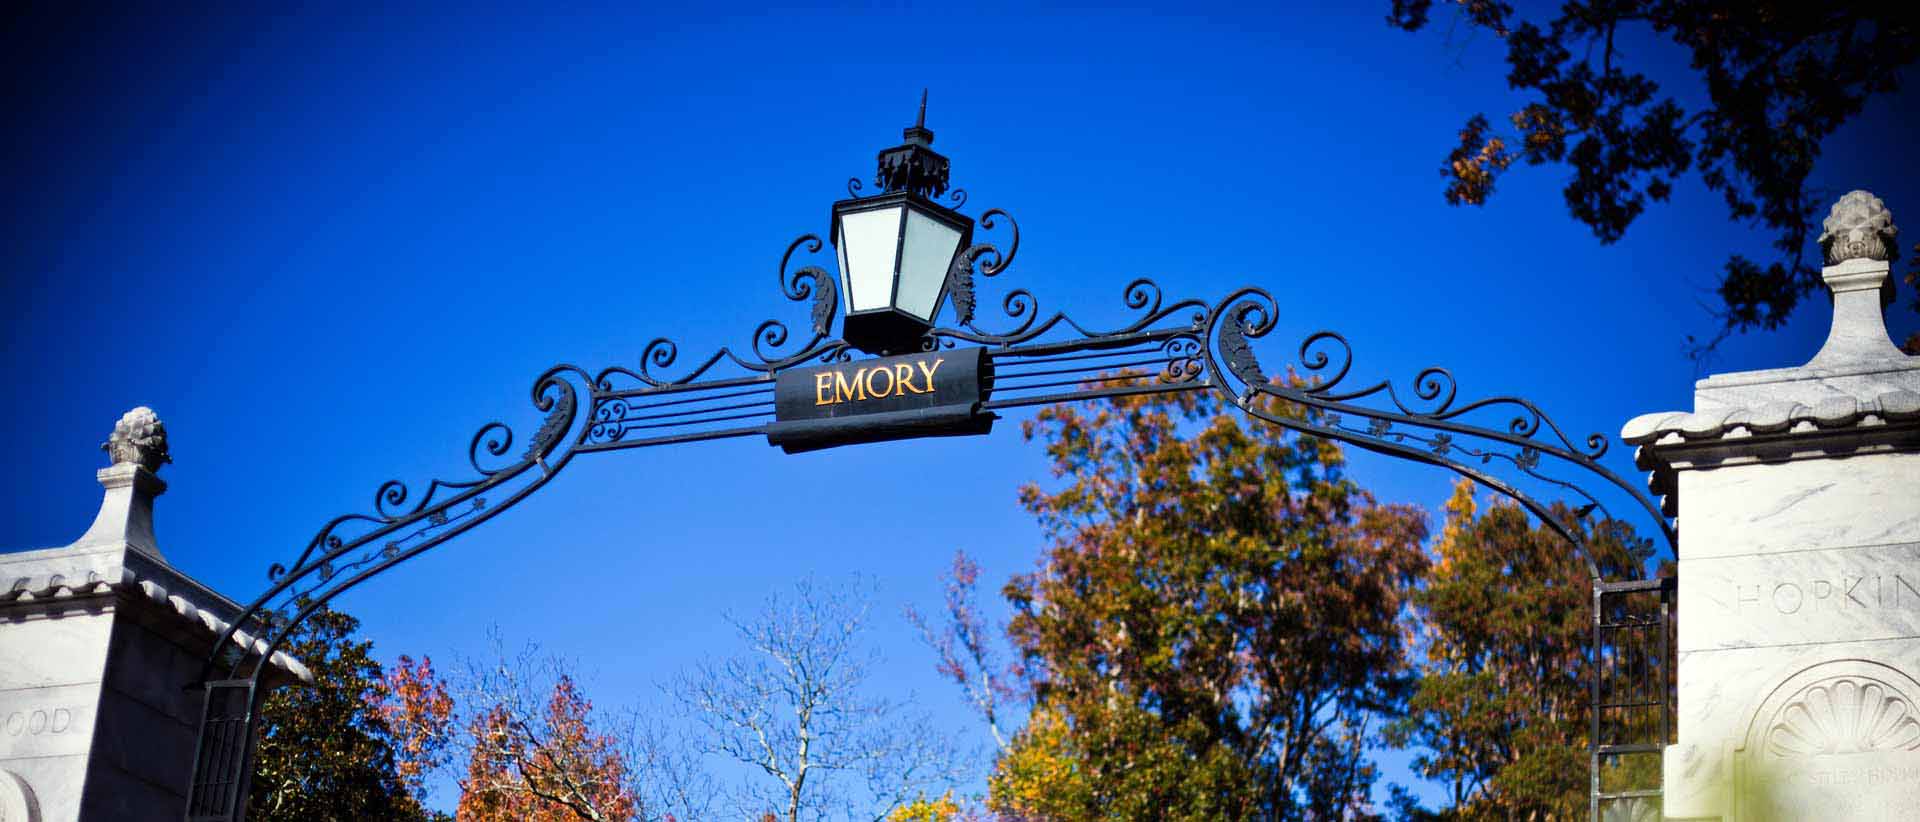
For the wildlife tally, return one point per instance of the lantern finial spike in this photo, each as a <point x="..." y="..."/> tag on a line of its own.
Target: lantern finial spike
<point x="918" y="134"/>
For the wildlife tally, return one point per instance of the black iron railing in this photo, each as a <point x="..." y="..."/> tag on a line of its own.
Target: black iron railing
<point x="1633" y="697"/>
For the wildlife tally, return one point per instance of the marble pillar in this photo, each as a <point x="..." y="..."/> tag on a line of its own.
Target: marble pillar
<point x="1797" y="494"/>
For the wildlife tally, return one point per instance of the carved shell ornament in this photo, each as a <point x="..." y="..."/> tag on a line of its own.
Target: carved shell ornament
<point x="1859" y="227"/>
<point x="1845" y="714"/>
<point x="138" y="438"/>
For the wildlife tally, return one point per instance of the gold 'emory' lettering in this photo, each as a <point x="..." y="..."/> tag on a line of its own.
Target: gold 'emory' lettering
<point x="844" y="393"/>
<point x="878" y="393"/>
<point x="833" y="387"/>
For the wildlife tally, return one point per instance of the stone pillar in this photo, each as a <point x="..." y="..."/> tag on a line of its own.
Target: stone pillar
<point x="1797" y="492"/>
<point x="98" y="640"/>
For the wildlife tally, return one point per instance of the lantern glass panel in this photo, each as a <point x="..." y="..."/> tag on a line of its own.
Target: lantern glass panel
<point x="868" y="242"/>
<point x="926" y="253"/>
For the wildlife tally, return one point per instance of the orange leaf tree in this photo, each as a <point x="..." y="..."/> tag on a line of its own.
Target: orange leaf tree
<point x="419" y="712"/>
<point x="548" y="764"/>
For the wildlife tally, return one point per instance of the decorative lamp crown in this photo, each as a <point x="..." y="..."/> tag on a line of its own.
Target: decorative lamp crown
<point x="914" y="166"/>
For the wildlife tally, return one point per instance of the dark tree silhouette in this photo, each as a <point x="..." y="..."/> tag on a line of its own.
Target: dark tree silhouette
<point x="1780" y="76"/>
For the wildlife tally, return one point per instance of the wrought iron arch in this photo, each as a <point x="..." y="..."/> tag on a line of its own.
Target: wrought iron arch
<point x="1167" y="346"/>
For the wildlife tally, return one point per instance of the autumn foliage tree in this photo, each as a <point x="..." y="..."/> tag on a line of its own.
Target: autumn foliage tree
<point x="419" y="715"/>
<point x="536" y="749"/>
<point x="1214" y="632"/>
<point x="548" y="765"/>
<point x="532" y="748"/>
<point x="1502" y="707"/>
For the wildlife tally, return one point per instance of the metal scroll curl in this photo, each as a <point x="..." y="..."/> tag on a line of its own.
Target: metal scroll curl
<point x="811" y="281"/>
<point x="990" y="261"/>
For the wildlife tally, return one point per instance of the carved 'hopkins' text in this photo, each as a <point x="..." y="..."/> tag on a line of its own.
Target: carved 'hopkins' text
<point x="1842" y="593"/>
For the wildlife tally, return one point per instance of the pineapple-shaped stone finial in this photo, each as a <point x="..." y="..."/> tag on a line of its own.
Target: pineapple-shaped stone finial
<point x="138" y="438"/>
<point x="1860" y="226"/>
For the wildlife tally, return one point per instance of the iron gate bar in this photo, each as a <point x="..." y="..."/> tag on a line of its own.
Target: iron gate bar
<point x="1206" y="349"/>
<point x="1661" y="623"/>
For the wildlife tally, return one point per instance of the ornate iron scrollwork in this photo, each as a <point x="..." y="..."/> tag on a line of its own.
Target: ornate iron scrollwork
<point x="960" y="274"/>
<point x="1430" y="429"/>
<point x="1167" y="346"/>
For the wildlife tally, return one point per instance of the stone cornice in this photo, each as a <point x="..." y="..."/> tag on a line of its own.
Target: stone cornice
<point x="1671" y="427"/>
<point x="82" y="576"/>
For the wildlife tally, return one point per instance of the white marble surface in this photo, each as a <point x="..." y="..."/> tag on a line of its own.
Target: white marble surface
<point x="1788" y="572"/>
<point x="48" y="721"/>
<point x="1808" y="384"/>
<point x="1799" y="597"/>
<point x="49" y="700"/>
<point x="41" y="650"/>
<point x="1834" y="502"/>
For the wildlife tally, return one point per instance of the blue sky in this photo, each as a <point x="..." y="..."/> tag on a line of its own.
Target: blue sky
<point x="328" y="246"/>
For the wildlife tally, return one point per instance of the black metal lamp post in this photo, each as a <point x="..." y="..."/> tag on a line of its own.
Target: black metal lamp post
<point x="896" y="247"/>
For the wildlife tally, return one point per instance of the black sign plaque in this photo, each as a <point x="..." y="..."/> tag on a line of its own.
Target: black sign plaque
<point x="886" y="398"/>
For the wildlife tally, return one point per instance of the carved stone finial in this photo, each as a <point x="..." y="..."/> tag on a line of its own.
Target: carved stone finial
<point x="139" y="438"/>
<point x="1860" y="227"/>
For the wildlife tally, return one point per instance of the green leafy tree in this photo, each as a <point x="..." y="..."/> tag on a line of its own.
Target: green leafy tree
<point x="1780" y="76"/>
<point x="326" y="751"/>
<point x="1214" y="631"/>
<point x="1502" y="705"/>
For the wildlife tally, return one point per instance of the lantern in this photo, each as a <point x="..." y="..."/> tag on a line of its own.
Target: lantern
<point x="896" y="247"/>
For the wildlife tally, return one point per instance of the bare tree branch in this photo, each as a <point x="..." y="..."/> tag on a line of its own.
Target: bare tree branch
<point x="794" y="707"/>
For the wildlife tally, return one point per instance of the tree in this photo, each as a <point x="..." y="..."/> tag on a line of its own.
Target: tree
<point x="1213" y="633"/>
<point x="922" y="809"/>
<point x="538" y="751"/>
<point x="544" y="763"/>
<point x="795" y="709"/>
<point x="419" y="713"/>
<point x="1502" y="705"/>
<point x="326" y="750"/>
<point x="967" y="650"/>
<point x="1780" y="76"/>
